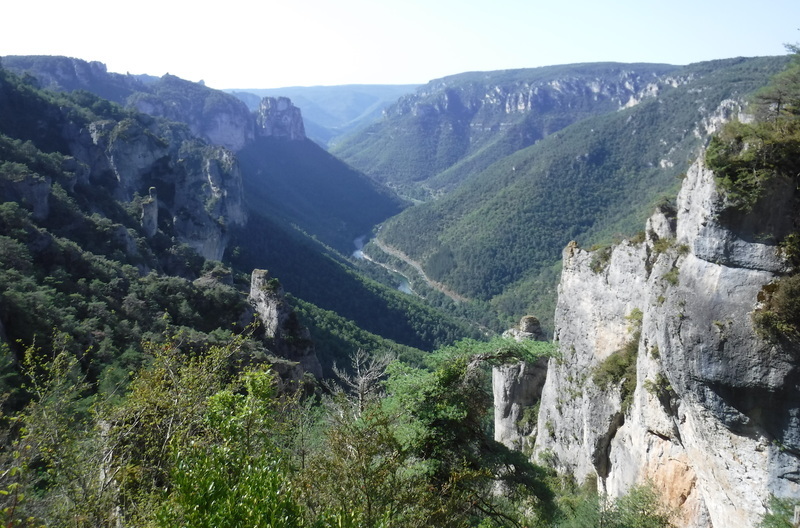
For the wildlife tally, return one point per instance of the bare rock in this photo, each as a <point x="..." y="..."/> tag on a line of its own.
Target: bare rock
<point x="278" y="117"/>
<point x="286" y="337"/>
<point x="711" y="420"/>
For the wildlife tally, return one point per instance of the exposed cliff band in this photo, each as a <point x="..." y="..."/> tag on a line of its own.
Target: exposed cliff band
<point x="286" y="336"/>
<point x="707" y="407"/>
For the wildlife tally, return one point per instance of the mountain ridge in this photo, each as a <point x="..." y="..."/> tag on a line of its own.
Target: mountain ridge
<point x="492" y="236"/>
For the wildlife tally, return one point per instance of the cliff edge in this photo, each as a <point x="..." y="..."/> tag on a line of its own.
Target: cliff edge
<point x="664" y="376"/>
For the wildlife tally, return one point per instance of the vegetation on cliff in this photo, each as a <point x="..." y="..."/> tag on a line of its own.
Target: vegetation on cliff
<point x="755" y="161"/>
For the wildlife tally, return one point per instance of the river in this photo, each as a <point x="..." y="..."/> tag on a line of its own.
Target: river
<point x="358" y="253"/>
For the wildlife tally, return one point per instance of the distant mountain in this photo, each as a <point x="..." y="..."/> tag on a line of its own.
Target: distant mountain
<point x="66" y="74"/>
<point x="331" y="112"/>
<point x="451" y="128"/>
<point x="497" y="236"/>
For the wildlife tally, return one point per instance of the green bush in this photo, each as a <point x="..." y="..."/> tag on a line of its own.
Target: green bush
<point x="781" y="513"/>
<point x="619" y="369"/>
<point x="600" y="259"/>
<point x="780" y="315"/>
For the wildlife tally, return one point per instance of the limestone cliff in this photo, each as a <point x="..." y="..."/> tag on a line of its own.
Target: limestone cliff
<point x="197" y="188"/>
<point x="287" y="338"/>
<point x="517" y="388"/>
<point x="706" y="407"/>
<point x="278" y="117"/>
<point x="484" y="98"/>
<point x="217" y="117"/>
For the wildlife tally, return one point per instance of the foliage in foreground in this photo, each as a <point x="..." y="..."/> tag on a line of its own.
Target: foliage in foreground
<point x="214" y="439"/>
<point x="781" y="513"/>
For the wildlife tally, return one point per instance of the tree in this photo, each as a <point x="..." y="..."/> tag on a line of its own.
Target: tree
<point x="55" y="451"/>
<point x="164" y="410"/>
<point x="640" y="507"/>
<point x="442" y="422"/>
<point x="782" y="513"/>
<point x="746" y="157"/>
<point x="232" y="474"/>
<point x="363" y="381"/>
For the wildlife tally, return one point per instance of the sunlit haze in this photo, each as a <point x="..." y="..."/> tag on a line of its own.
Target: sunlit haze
<point x="245" y="44"/>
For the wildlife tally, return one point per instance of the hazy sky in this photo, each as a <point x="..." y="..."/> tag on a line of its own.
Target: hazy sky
<point x="268" y="43"/>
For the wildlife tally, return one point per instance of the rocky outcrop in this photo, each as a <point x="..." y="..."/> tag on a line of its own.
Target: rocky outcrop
<point x="215" y="116"/>
<point x="30" y="190"/>
<point x="278" y="117"/>
<point x="191" y="189"/>
<point x="150" y="213"/>
<point x="517" y="388"/>
<point x="708" y="409"/>
<point x="286" y="337"/>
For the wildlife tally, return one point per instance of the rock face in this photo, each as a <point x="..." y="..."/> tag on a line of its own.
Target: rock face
<point x="217" y="117"/>
<point x="287" y="338"/>
<point x="198" y="188"/>
<point x="278" y="117"/>
<point x="30" y="190"/>
<point x="516" y="389"/>
<point x="150" y="213"/>
<point x="712" y="417"/>
<point x="483" y="98"/>
<point x="66" y="74"/>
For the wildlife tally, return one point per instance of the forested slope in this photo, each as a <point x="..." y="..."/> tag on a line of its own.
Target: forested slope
<point x="430" y="141"/>
<point x="305" y="207"/>
<point x="497" y="237"/>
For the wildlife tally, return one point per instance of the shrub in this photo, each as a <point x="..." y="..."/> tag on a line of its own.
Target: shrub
<point x="780" y="316"/>
<point x="600" y="259"/>
<point x="781" y="513"/>
<point x="662" y="245"/>
<point x="619" y="369"/>
<point x="672" y="276"/>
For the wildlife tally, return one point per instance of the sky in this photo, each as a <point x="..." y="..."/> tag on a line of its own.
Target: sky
<point x="272" y="44"/>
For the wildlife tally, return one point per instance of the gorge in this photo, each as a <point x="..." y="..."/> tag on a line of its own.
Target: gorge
<point x="191" y="262"/>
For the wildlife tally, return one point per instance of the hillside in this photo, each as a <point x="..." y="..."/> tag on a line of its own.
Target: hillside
<point x="497" y="237"/>
<point x="104" y="231"/>
<point x="430" y="141"/>
<point x="301" y="184"/>
<point x="295" y="180"/>
<point x="281" y="204"/>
